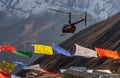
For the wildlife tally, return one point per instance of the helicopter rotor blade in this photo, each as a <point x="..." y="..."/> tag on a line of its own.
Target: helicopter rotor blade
<point x="58" y="10"/>
<point x="64" y="11"/>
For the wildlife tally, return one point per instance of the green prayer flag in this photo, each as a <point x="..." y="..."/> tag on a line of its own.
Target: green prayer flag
<point x="24" y="54"/>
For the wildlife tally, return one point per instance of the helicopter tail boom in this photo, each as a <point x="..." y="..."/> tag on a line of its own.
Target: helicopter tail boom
<point x="81" y="20"/>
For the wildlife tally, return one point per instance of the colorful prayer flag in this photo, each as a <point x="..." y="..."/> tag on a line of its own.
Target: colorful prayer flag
<point x="4" y="75"/>
<point x="107" y="53"/>
<point x="42" y="49"/>
<point x="82" y="51"/>
<point x="24" y="54"/>
<point x="34" y="67"/>
<point x="20" y="64"/>
<point x="6" y="67"/>
<point x="59" y="50"/>
<point x="7" y="48"/>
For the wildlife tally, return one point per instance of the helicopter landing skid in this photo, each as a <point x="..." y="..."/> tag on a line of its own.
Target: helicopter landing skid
<point x="63" y="34"/>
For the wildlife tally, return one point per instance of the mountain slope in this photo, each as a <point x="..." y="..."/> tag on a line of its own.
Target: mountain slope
<point x="104" y="34"/>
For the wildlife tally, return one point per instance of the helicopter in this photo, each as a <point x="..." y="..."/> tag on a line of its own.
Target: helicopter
<point x="70" y="27"/>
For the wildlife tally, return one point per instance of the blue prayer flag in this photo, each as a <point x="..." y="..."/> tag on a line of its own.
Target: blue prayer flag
<point x="20" y="64"/>
<point x="59" y="50"/>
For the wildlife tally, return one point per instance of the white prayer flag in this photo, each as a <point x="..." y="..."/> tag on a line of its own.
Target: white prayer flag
<point x="34" y="67"/>
<point x="82" y="51"/>
<point x="99" y="71"/>
<point x="102" y="71"/>
<point x="63" y="70"/>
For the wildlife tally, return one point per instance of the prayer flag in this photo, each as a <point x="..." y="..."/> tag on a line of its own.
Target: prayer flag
<point x="34" y="67"/>
<point x="6" y="67"/>
<point x="107" y="53"/>
<point x="82" y="51"/>
<point x="43" y="49"/>
<point x="7" y="48"/>
<point x="59" y="50"/>
<point x="4" y="75"/>
<point x="24" y="54"/>
<point x="20" y="64"/>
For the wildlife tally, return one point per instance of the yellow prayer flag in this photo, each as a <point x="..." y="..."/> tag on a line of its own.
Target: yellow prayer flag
<point x="42" y="49"/>
<point x="6" y="67"/>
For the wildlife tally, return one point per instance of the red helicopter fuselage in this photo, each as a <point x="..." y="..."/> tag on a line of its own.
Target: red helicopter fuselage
<point x="68" y="28"/>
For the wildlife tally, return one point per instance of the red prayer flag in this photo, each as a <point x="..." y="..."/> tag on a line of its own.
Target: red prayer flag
<point x="107" y="53"/>
<point x="4" y="75"/>
<point x="7" y="48"/>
